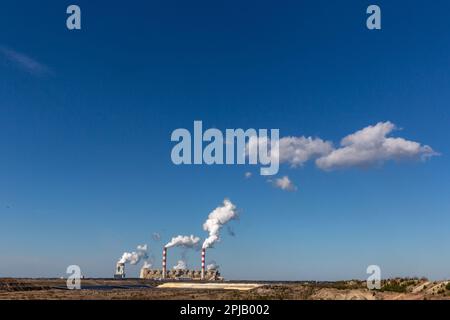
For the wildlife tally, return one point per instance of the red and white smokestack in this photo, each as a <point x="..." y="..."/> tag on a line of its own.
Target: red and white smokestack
<point x="203" y="263"/>
<point x="164" y="263"/>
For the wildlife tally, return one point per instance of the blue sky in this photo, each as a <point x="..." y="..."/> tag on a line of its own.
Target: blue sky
<point x="86" y="118"/>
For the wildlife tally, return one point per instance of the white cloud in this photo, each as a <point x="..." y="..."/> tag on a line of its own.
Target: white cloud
<point x="23" y="61"/>
<point x="293" y="150"/>
<point x="284" y="183"/>
<point x="248" y="175"/>
<point x="372" y="146"/>
<point x="367" y="147"/>
<point x="298" y="150"/>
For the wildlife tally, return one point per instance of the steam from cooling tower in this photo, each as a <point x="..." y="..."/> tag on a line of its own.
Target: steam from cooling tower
<point x="181" y="265"/>
<point x="142" y="248"/>
<point x="212" y="266"/>
<point x="216" y="220"/>
<point x="184" y="241"/>
<point x="136" y="256"/>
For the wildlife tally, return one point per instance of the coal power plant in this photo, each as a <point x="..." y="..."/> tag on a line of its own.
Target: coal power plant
<point x="207" y="272"/>
<point x="147" y="272"/>
<point x="212" y="274"/>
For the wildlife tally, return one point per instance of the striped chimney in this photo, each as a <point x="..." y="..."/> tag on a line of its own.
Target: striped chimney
<point x="203" y="263"/>
<point x="164" y="263"/>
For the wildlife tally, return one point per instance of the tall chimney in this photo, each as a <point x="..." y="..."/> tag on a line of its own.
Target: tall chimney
<point x="164" y="263"/>
<point x="203" y="263"/>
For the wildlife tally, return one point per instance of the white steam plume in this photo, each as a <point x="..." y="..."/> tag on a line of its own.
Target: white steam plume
<point x="212" y="266"/>
<point x="135" y="256"/>
<point x="184" y="241"/>
<point x="216" y="220"/>
<point x="181" y="265"/>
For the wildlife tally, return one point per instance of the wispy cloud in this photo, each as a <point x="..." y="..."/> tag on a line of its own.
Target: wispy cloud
<point x="24" y="61"/>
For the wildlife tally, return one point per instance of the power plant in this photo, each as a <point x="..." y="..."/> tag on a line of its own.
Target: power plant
<point x="120" y="271"/>
<point x="203" y="263"/>
<point x="213" y="224"/>
<point x="177" y="274"/>
<point x="164" y="264"/>
<point x="156" y="274"/>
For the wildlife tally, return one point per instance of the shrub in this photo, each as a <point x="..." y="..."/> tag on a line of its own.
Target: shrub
<point x="394" y="287"/>
<point x="447" y="286"/>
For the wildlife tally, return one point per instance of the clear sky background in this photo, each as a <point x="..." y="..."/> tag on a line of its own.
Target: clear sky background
<point x="86" y="118"/>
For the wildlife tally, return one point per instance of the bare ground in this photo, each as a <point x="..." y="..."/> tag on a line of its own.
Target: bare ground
<point x="136" y="289"/>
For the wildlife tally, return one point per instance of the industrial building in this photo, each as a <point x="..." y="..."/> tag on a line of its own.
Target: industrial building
<point x="120" y="271"/>
<point x="207" y="275"/>
<point x="157" y="274"/>
<point x="178" y="274"/>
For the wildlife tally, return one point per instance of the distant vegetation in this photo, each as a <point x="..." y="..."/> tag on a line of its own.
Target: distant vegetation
<point x="394" y="287"/>
<point x="342" y="285"/>
<point x="401" y="284"/>
<point x="447" y="286"/>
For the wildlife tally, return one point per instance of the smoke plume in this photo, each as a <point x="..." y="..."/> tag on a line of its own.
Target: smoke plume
<point x="212" y="266"/>
<point x="135" y="256"/>
<point x="181" y="265"/>
<point x="184" y="241"/>
<point x="156" y="236"/>
<point x="216" y="220"/>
